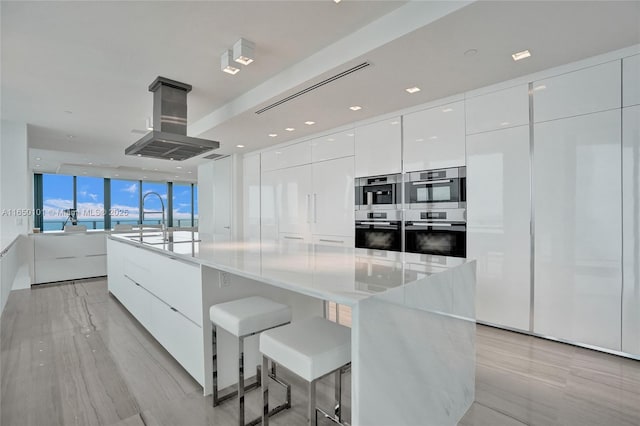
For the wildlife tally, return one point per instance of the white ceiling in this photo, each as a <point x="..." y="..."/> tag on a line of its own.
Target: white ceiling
<point x="96" y="60"/>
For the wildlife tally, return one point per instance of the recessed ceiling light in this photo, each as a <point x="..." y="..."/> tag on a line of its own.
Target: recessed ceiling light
<point x="178" y="167"/>
<point x="176" y="176"/>
<point x="38" y="158"/>
<point x="37" y="165"/>
<point x="337" y="1"/>
<point x="144" y="177"/>
<point x="68" y="112"/>
<point x="171" y="158"/>
<point x="521" y="55"/>
<point x="393" y="123"/>
<point x="90" y="163"/>
<point x="433" y="138"/>
<point x="413" y="89"/>
<point x="239" y="146"/>
<point x="419" y="140"/>
<point x="541" y="87"/>
<point x="289" y="129"/>
<point x="155" y="170"/>
<point x="331" y="139"/>
<point x="273" y="135"/>
<point x="70" y="136"/>
<point x="504" y="123"/>
<point x="447" y="110"/>
<point x="309" y="123"/>
<point x="139" y="155"/>
<point x="355" y="108"/>
<point x="471" y="52"/>
<point x="350" y="134"/>
<point x="189" y="172"/>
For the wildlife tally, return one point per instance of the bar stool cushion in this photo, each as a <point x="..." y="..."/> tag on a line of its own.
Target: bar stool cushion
<point x="309" y="348"/>
<point x="249" y="315"/>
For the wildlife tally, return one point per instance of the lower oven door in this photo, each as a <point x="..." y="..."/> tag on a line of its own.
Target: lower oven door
<point x="379" y="235"/>
<point x="444" y="239"/>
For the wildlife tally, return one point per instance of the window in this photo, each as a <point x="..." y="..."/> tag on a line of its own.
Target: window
<point x="182" y="205"/>
<point x="125" y="201"/>
<point x="90" y="201"/>
<point x="57" y="196"/>
<point x="152" y="205"/>
<point x="195" y="205"/>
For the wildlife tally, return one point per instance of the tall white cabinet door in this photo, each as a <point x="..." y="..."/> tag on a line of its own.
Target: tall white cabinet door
<point x="498" y="110"/>
<point x="222" y="193"/>
<point x="332" y="198"/>
<point x="251" y="198"/>
<point x="631" y="230"/>
<point x="631" y="81"/>
<point x="378" y="148"/>
<point x="498" y="224"/>
<point x="578" y="239"/>
<point x="293" y="200"/>
<point x="584" y="91"/>
<point x="268" y="206"/>
<point x="434" y="138"/>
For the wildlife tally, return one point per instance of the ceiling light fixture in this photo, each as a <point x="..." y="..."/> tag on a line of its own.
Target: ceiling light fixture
<point x="178" y="167"/>
<point x="226" y="63"/>
<point x="355" y="108"/>
<point x="289" y="129"/>
<point x="38" y="158"/>
<point x="273" y="135"/>
<point x="309" y="123"/>
<point x="414" y="89"/>
<point x="521" y="55"/>
<point x="243" y="51"/>
<point x="471" y="52"/>
<point x="337" y="1"/>
<point x="541" y="87"/>
<point x="447" y="110"/>
<point x="237" y="146"/>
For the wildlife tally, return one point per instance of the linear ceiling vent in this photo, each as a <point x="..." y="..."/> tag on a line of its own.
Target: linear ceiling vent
<point x="315" y="86"/>
<point x="168" y="140"/>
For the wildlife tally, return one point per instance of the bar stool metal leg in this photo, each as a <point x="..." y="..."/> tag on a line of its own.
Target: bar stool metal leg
<point x="214" y="342"/>
<point x="338" y="395"/>
<point x="312" y="413"/>
<point x="265" y="391"/>
<point x="240" y="381"/>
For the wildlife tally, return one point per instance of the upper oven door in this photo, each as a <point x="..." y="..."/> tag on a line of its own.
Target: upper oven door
<point x="440" y="188"/>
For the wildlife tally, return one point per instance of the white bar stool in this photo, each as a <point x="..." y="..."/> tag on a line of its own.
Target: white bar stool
<point x="243" y="318"/>
<point x="312" y="349"/>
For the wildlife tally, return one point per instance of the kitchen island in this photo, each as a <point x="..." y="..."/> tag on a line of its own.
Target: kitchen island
<point x="413" y="326"/>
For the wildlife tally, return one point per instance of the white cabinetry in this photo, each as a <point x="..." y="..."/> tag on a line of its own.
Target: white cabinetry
<point x="288" y="156"/>
<point x="165" y="296"/>
<point x="631" y="230"/>
<point x="251" y="198"/>
<point x="434" y="138"/>
<point x="332" y="146"/>
<point x="311" y="199"/>
<point x="631" y="80"/>
<point x="579" y="92"/>
<point x="222" y="197"/>
<point x="332" y="198"/>
<point x="498" y="224"/>
<point x="577" y="197"/>
<point x="69" y="256"/>
<point x="378" y="148"/>
<point x="293" y="199"/>
<point x="498" y="110"/>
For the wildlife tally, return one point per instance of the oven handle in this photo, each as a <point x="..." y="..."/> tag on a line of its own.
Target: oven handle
<point x="431" y="224"/>
<point x="375" y="223"/>
<point x="431" y="182"/>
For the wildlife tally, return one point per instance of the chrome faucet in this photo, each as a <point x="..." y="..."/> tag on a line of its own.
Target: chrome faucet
<point x="164" y="228"/>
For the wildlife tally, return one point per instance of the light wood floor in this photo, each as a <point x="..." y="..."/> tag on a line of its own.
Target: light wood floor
<point x="70" y="354"/>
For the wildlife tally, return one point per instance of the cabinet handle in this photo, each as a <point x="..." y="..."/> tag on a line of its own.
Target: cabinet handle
<point x="65" y="257"/>
<point x="292" y="238"/>
<point x="94" y="255"/>
<point x="173" y="309"/>
<point x="315" y="208"/>
<point x="331" y="241"/>
<point x="308" y="208"/>
<point x="431" y="182"/>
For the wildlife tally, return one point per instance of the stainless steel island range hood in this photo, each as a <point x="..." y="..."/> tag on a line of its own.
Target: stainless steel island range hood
<point x="169" y="140"/>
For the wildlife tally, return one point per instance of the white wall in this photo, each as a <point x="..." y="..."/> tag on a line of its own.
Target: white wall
<point x="14" y="180"/>
<point x="15" y="188"/>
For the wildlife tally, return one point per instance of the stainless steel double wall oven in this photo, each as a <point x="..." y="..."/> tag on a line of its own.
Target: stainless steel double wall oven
<point x="434" y="215"/>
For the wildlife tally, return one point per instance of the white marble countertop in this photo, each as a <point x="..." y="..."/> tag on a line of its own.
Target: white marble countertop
<point x="342" y="275"/>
